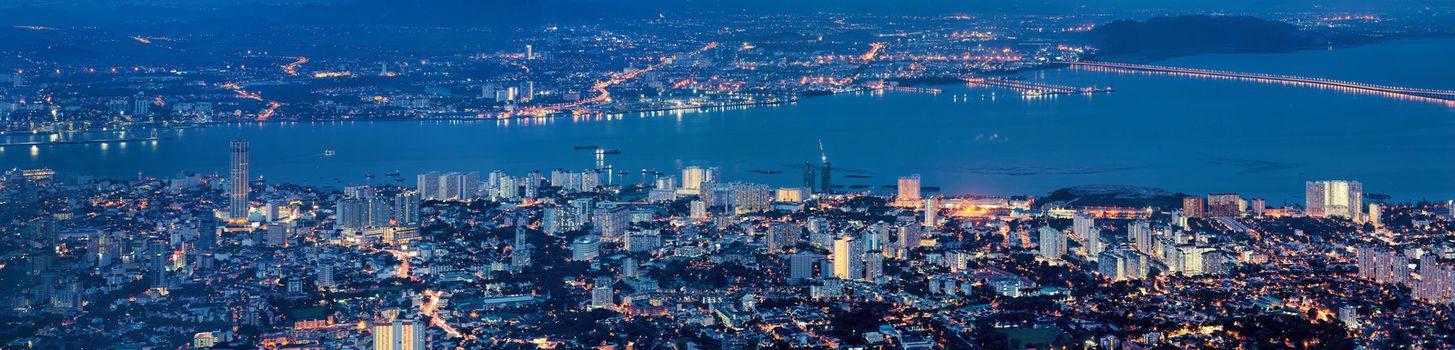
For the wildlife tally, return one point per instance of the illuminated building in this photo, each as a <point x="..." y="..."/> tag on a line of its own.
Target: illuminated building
<point x="1374" y="215"/>
<point x="698" y="209"/>
<point x="694" y="178"/>
<point x="790" y="195"/>
<point x="1053" y="244"/>
<point x="1192" y="206"/>
<point x="204" y="340"/>
<point x="1224" y="205"/>
<point x="237" y="209"/>
<point x="1140" y="233"/>
<point x="847" y="264"/>
<point x="932" y="212"/>
<point x="909" y="239"/>
<point x="1112" y="265"/>
<point x="406" y="208"/>
<point x="909" y="190"/>
<point x="610" y="220"/>
<point x="1093" y="245"/>
<point x="399" y="335"/>
<point x="1081" y="224"/>
<point x="585" y="248"/>
<point x="781" y="236"/>
<point x="602" y="293"/>
<point x="1334" y="198"/>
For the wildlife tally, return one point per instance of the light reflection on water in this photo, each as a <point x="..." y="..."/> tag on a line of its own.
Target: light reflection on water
<point x="1186" y="135"/>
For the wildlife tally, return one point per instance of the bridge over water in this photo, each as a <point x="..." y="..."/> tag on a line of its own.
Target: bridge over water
<point x="1446" y="97"/>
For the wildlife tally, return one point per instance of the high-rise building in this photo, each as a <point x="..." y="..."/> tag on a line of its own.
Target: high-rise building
<point x="909" y="191"/>
<point x="1192" y="206"/>
<point x="206" y="233"/>
<point x="847" y="262"/>
<point x="1258" y="206"/>
<point x="237" y="209"/>
<point x="1081" y="224"/>
<point x="451" y="186"/>
<point x="399" y="335"/>
<point x="1122" y="264"/>
<point x="585" y="248"/>
<point x="1112" y="265"/>
<point x="1374" y="215"/>
<point x="1140" y="233"/>
<point x="1334" y="198"/>
<point x="428" y="185"/>
<point x="1053" y="243"/>
<point x="603" y="295"/>
<point x="826" y="177"/>
<point x="781" y="236"/>
<point x="609" y="220"/>
<point x="932" y="212"/>
<point x="909" y="239"/>
<point x="1224" y="205"/>
<point x="698" y="210"/>
<point x="1093" y="245"/>
<point x="800" y="266"/>
<point x="406" y="209"/>
<point x="808" y="179"/>
<point x="693" y="178"/>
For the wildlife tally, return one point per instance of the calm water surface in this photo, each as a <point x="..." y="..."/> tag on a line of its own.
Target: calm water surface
<point x="1182" y="134"/>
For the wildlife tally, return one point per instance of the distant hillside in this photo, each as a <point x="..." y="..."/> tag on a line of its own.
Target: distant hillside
<point x="1183" y="35"/>
<point x="1112" y="196"/>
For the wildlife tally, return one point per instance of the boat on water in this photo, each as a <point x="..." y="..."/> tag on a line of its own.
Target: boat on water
<point x="328" y="152"/>
<point x="392" y="173"/>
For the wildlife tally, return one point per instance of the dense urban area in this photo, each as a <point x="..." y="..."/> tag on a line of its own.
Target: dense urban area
<point x="684" y="258"/>
<point x="587" y="258"/>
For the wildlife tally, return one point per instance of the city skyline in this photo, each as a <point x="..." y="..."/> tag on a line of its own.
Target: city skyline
<point x="806" y="174"/>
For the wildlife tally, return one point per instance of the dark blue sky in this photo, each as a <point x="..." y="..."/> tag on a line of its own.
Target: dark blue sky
<point x="487" y="12"/>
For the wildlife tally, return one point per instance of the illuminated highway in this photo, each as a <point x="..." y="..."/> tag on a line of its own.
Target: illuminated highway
<point x="292" y="68"/>
<point x="600" y="87"/>
<point x="1446" y="97"/>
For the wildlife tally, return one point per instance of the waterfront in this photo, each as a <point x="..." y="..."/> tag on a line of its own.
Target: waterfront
<point x="1181" y="134"/>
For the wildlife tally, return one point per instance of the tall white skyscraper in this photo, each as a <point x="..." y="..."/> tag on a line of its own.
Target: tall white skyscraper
<point x="1053" y="243"/>
<point x="1082" y="223"/>
<point x="932" y="212"/>
<point x="1140" y="233"/>
<point x="800" y="266"/>
<point x="237" y="209"/>
<point x="1334" y="198"/>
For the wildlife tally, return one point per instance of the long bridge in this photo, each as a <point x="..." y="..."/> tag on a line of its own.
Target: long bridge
<point x="1429" y="95"/>
<point x="1034" y="88"/>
